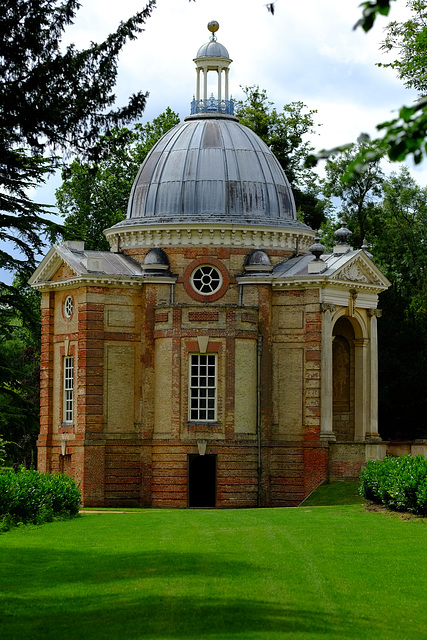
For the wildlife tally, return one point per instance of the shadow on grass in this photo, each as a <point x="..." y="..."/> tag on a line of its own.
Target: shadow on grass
<point x="147" y="595"/>
<point x="168" y="616"/>
<point x="96" y="568"/>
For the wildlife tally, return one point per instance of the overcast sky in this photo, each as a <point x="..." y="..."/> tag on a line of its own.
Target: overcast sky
<point x="306" y="51"/>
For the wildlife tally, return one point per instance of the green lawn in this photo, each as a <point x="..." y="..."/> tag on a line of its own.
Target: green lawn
<point x="335" y="493"/>
<point x="313" y="572"/>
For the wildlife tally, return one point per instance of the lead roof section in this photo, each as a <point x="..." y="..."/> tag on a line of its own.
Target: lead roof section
<point x="211" y="170"/>
<point x="84" y="264"/>
<point x="212" y="49"/>
<point x="105" y="262"/>
<point x="354" y="266"/>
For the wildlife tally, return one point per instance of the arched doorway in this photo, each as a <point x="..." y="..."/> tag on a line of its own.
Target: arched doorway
<point x="201" y="480"/>
<point x="343" y="380"/>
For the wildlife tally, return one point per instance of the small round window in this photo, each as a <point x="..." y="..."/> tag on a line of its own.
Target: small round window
<point x="206" y="280"/>
<point x="68" y="307"/>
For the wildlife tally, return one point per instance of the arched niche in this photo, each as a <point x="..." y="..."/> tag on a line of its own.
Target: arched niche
<point x="350" y="379"/>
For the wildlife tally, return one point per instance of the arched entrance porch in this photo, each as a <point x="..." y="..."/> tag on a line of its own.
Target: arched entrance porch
<point x="349" y="375"/>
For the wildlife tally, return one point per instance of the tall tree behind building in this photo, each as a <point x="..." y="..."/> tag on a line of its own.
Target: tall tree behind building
<point x="93" y="198"/>
<point x="286" y="132"/>
<point x="391" y="213"/>
<point x="399" y="236"/>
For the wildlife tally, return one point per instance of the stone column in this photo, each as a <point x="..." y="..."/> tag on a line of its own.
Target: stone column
<point x="372" y="426"/>
<point x="326" y="389"/>
<point x="226" y="84"/>
<point x="361" y="386"/>
<point x="219" y="83"/>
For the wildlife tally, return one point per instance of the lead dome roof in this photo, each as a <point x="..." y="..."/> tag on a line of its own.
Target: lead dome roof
<point x="211" y="170"/>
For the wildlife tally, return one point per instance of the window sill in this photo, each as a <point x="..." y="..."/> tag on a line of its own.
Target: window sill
<point x="66" y="427"/>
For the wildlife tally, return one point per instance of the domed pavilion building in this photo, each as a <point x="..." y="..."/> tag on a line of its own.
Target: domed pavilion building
<point x="215" y="356"/>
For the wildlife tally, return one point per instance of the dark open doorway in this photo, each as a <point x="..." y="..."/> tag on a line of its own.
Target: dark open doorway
<point x="202" y="481"/>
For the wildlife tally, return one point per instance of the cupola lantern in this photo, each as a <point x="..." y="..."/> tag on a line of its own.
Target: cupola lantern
<point x="212" y="56"/>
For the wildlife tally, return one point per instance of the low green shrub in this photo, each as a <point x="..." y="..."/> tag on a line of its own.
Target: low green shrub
<point x="398" y="483"/>
<point x="29" y="496"/>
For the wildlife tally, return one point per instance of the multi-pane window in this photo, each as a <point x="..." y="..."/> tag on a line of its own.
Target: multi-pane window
<point x="203" y="373"/>
<point x="68" y="388"/>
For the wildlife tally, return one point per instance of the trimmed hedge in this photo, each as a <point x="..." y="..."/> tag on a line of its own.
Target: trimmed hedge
<point x="32" y="497"/>
<point x="398" y="483"/>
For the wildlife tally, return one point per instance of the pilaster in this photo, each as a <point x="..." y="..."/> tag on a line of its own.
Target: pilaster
<point x="362" y="385"/>
<point x="372" y="427"/>
<point x="326" y="414"/>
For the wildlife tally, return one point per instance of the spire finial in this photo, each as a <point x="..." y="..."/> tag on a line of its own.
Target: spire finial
<point x="213" y="26"/>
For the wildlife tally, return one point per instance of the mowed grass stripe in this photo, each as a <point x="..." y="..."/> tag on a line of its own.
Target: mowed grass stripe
<point x="312" y="572"/>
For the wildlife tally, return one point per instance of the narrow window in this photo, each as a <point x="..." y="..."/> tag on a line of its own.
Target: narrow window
<point x="203" y="374"/>
<point x="68" y="388"/>
<point x="68" y="307"/>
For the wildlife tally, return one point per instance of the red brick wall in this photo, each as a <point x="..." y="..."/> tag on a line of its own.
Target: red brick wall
<point x="237" y="477"/>
<point x="90" y="376"/>
<point x="122" y="474"/>
<point x="46" y="382"/>
<point x="141" y="471"/>
<point x="93" y="484"/>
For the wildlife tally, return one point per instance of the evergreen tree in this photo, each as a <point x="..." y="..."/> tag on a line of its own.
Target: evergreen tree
<point x="53" y="99"/>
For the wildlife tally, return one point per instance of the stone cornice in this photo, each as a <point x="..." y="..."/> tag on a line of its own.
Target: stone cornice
<point x="132" y="236"/>
<point x="99" y="280"/>
<point x="322" y="281"/>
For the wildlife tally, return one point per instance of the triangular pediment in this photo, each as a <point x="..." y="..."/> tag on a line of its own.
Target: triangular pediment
<point x="359" y="269"/>
<point x="53" y="268"/>
<point x="66" y="265"/>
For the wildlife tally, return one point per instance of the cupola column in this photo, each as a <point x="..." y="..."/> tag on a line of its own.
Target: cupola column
<point x="214" y="57"/>
<point x="226" y="83"/>
<point x="205" y="84"/>
<point x="198" y="85"/>
<point x="362" y="401"/>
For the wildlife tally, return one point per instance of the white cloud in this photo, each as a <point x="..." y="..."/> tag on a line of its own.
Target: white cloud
<point x="307" y="51"/>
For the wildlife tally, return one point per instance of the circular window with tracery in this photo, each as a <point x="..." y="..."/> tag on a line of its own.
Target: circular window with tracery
<point x="206" y="279"/>
<point x="68" y="307"/>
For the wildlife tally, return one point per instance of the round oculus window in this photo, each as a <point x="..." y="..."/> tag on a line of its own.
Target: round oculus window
<point x="68" y="307"/>
<point x="206" y="279"/>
